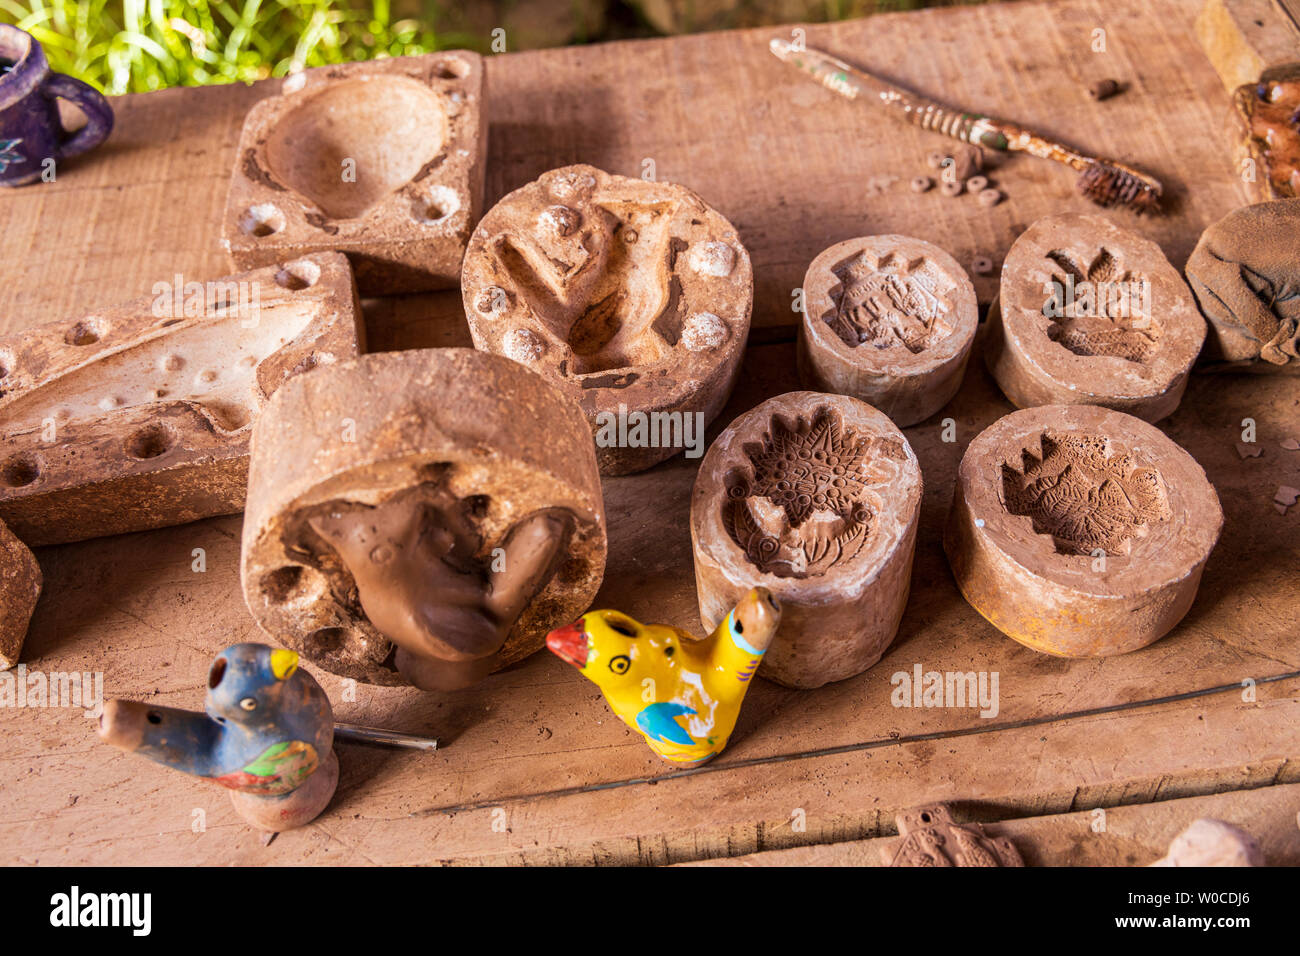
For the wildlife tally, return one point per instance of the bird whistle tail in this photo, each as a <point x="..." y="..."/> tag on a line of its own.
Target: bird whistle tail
<point x="756" y="618"/>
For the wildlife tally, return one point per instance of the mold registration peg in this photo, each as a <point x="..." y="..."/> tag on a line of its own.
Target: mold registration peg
<point x="32" y="136"/>
<point x="681" y="694"/>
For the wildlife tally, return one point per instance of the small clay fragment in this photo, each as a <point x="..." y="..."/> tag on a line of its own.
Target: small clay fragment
<point x="1269" y="132"/>
<point x="989" y="197"/>
<point x="1286" y="495"/>
<point x="383" y="160"/>
<point x="889" y="320"/>
<point x="1090" y="313"/>
<point x="930" y="837"/>
<point x="977" y="184"/>
<point x="1210" y="842"/>
<point x="138" y="416"/>
<point x="922" y="184"/>
<point x="936" y="160"/>
<point x="814" y="497"/>
<point x="1080" y="531"/>
<point x="1103" y="89"/>
<point x="1249" y="450"/>
<point x="20" y="587"/>
<point x="1245" y="272"/>
<point x="632" y="296"/>
<point x="952" y="188"/>
<point x="967" y="160"/>
<point x="431" y="513"/>
<point x="1290" y="444"/>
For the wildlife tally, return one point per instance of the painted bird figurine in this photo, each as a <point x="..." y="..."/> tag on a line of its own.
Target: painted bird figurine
<point x="267" y="736"/>
<point x="681" y="694"/>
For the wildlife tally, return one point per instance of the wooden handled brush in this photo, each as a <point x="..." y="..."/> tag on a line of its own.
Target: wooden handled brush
<point x="1104" y="181"/>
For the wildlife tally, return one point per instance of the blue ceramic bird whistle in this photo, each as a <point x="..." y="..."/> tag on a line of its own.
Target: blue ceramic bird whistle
<point x="267" y="735"/>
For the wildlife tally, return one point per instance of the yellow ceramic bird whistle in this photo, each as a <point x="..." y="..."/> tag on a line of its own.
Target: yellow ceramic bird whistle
<point x="680" y="693"/>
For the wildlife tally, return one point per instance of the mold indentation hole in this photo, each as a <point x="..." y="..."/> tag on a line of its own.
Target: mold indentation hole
<point x="298" y="275"/>
<point x="327" y="640"/>
<point x="281" y="585"/>
<point x="262" y="220"/>
<point x="438" y="204"/>
<point x="85" y="332"/>
<point x="20" y="470"/>
<point x="153" y="717"/>
<point x="152" y="441"/>
<point x="217" y="672"/>
<point x="450" y="68"/>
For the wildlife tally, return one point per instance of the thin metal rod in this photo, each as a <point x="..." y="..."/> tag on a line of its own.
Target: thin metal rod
<point x="385" y="738"/>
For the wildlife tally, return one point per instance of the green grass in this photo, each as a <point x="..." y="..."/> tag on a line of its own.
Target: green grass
<point x="133" y="46"/>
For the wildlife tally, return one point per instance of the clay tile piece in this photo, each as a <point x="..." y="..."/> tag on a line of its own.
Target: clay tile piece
<point x="425" y="516"/>
<point x="1210" y="842"/>
<point x="889" y="320"/>
<point x="382" y="160"/>
<point x="930" y="837"/>
<point x="1080" y="531"/>
<point x="138" y="416"/>
<point x="816" y="498"/>
<point x="1089" y="313"/>
<point x="1245" y="273"/>
<point x="20" y="587"/>
<point x="634" y="297"/>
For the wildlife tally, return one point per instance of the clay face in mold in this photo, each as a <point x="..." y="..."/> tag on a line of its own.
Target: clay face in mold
<point x="815" y="497"/>
<point x="889" y="320"/>
<point x="382" y="160"/>
<point x="1084" y="495"/>
<point x="1080" y="531"/>
<point x="800" y="508"/>
<point x="886" y="301"/>
<point x="414" y="560"/>
<point x="627" y="294"/>
<point x="1089" y="313"/>
<point x="138" y="416"/>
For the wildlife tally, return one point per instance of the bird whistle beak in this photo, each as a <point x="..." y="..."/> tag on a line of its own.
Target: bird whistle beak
<point x="569" y="643"/>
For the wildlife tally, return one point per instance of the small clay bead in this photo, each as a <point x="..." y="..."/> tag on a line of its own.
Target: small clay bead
<point x="936" y="160"/>
<point x="981" y="265"/>
<point x="951" y="189"/>
<point x="989" y="197"/>
<point x="977" y="184"/>
<point x="921" y="184"/>
<point x="1103" y="89"/>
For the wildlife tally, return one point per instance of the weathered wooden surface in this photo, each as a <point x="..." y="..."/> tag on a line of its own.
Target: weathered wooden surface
<point x="1243" y="38"/>
<point x="534" y="768"/>
<point x="1136" y="835"/>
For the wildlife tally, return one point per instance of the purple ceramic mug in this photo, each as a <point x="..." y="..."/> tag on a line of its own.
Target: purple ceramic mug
<point x="30" y="129"/>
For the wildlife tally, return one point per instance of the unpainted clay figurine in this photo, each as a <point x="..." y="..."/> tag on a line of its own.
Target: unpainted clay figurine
<point x="267" y="735"/>
<point x="697" y="686"/>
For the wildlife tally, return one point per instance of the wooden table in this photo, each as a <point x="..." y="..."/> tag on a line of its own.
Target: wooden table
<point x="533" y="767"/>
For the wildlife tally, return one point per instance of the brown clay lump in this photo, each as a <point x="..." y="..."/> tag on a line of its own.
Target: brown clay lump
<point x="1245" y="273"/>
<point x="413" y="560"/>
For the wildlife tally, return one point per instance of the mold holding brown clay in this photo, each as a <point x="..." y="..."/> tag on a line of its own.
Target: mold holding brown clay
<point x="1245" y="273"/>
<point x="426" y="516"/>
<point x="138" y="416"/>
<point x="814" y="497"/>
<point x="889" y="320"/>
<point x="633" y="297"/>
<point x="382" y="160"/>
<point x="1265" y="118"/>
<point x="1089" y="313"/>
<point x="1080" y="531"/>
<point x="20" y="587"/>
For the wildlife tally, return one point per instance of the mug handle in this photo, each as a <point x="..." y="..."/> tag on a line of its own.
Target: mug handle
<point x="99" y="115"/>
